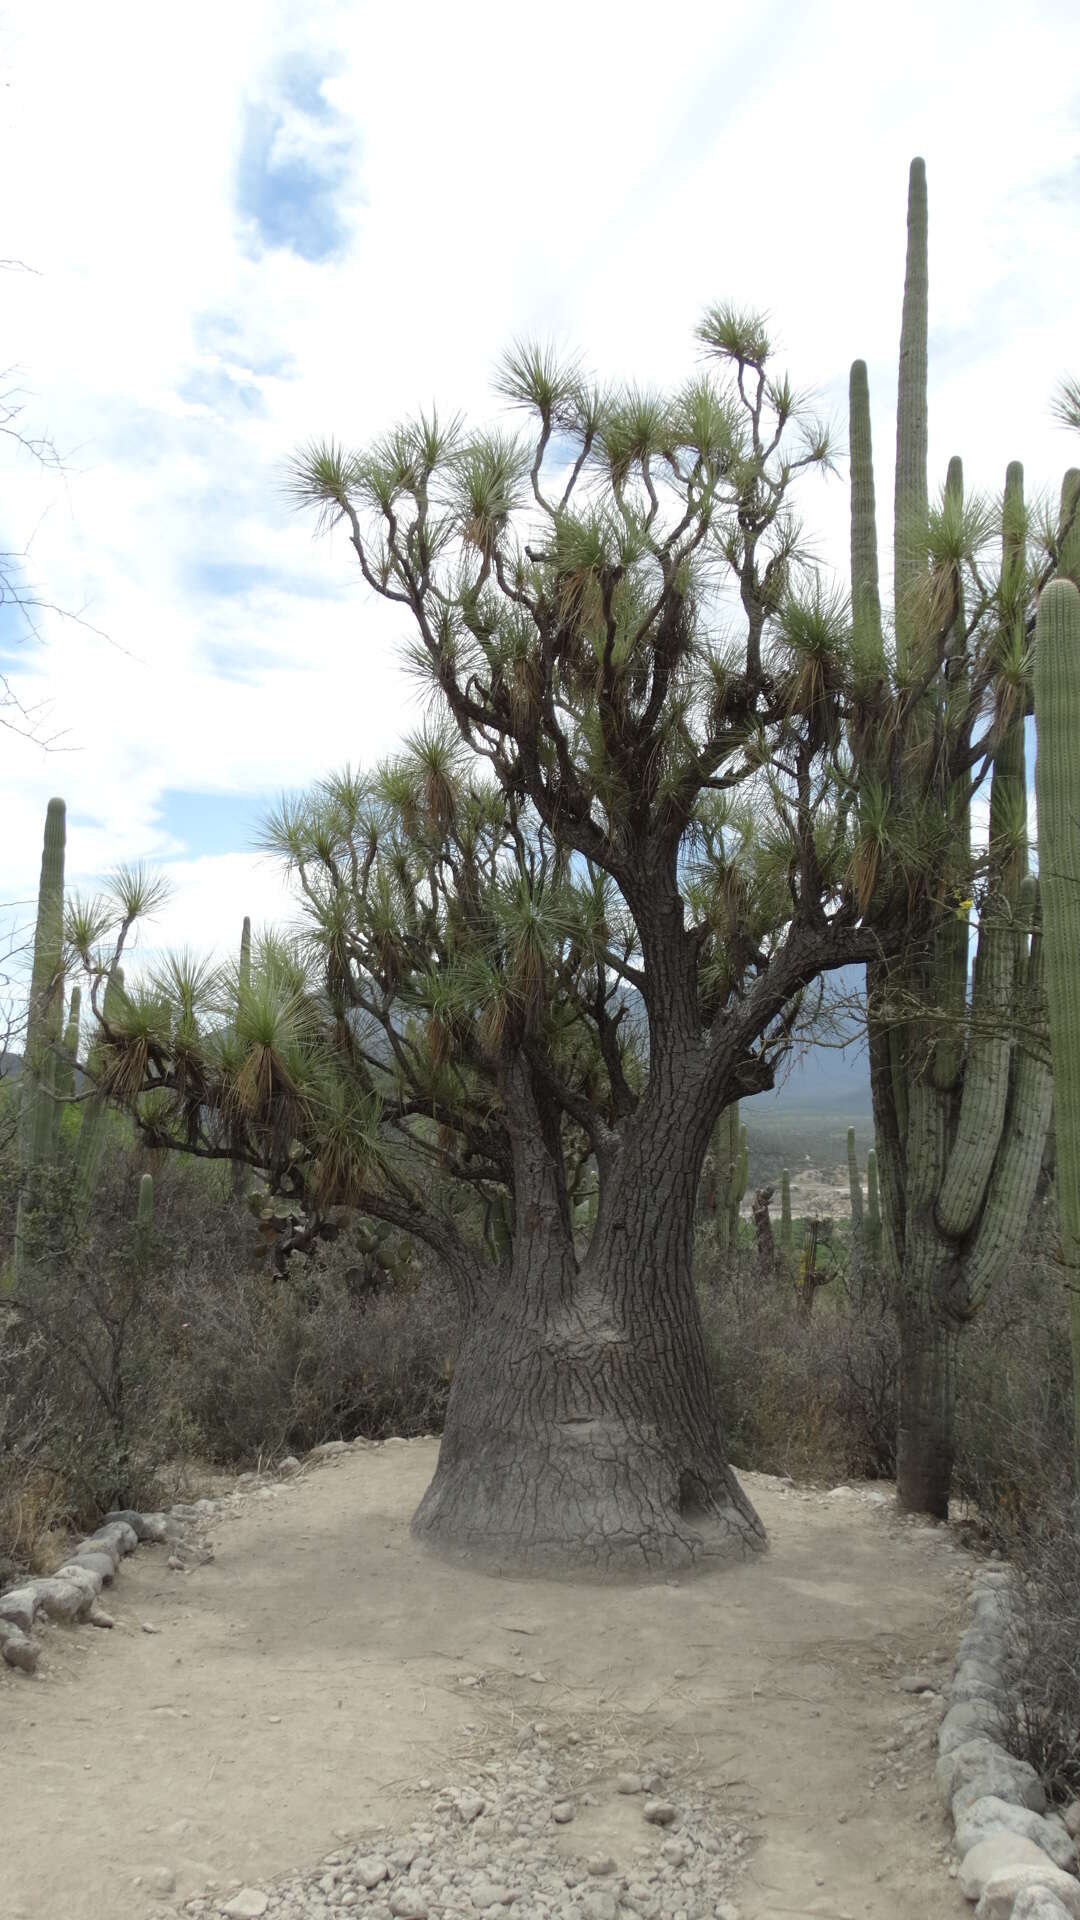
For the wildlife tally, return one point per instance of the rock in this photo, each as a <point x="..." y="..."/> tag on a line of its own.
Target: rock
<point x="63" y="1599"/>
<point x="979" y="1767"/>
<point x="98" y="1617"/>
<point x="145" y="1526"/>
<point x="562" y="1812"/>
<point x="290" y="1464"/>
<point x="966" y="1721"/>
<point x="17" y="1648"/>
<point x="190" y="1553"/>
<point x="406" y="1904"/>
<point x="120" y="1532"/>
<point x="600" y="1863"/>
<point x="1001" y="1895"/>
<point x="488" y="1893"/>
<point x="80" y="1575"/>
<point x="91" y="1555"/>
<point x="991" y="1815"/>
<point x="916" y="1683"/>
<point x="675" y="1853"/>
<point x="599" y="1905"/>
<point x="995" y="1854"/>
<point x="976" y="1680"/>
<point x="164" y="1880"/>
<point x="469" y="1805"/>
<point x="1071" y="1817"/>
<point x="371" y="1869"/>
<point x="1037" y="1903"/>
<point x="249" y="1904"/>
<point x="327" y="1449"/>
<point x="628" y="1783"/>
<point x="659" y="1813"/>
<point x="18" y="1606"/>
<point x="839" y="1493"/>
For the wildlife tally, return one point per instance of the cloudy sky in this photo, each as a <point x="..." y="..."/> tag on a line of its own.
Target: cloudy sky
<point x="246" y="223"/>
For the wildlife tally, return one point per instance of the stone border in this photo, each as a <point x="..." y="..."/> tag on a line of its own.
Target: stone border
<point x="72" y="1593"/>
<point x="1018" y="1861"/>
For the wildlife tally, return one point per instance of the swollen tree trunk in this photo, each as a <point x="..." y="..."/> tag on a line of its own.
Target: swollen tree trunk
<point x="581" y="1432"/>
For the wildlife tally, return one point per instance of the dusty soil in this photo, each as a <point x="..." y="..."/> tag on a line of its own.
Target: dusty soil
<point x="296" y="1691"/>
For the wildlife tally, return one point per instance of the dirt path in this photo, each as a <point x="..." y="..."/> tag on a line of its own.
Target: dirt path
<point x="297" y="1690"/>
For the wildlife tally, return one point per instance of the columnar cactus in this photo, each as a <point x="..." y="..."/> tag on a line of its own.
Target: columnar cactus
<point x="872" y="1229"/>
<point x="1057" y="787"/>
<point x="729" y="1158"/>
<point x="241" y="1175"/>
<point x="95" y="1115"/>
<point x="960" y="1110"/>
<point x="69" y="1052"/>
<point x="39" y="1111"/>
<point x="854" y="1185"/>
<point x="787" y="1238"/>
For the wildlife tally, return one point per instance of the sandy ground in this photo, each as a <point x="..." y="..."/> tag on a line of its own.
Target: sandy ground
<point x="297" y="1690"/>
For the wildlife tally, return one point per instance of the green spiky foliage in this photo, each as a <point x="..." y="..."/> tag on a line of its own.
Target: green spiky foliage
<point x="854" y="1183"/>
<point x="787" y="1232"/>
<point x="575" y="920"/>
<point x="961" y="1097"/>
<point x="39" y="1106"/>
<point x="1057" y="786"/>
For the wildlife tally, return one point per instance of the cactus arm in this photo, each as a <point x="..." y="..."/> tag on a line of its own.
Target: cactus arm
<point x="38" y="1121"/>
<point x="69" y="1052"/>
<point x="910" y="495"/>
<point x="865" y="591"/>
<point x="1057" y="789"/>
<point x="38" y="1112"/>
<point x="1018" y="1163"/>
<point x="986" y="1081"/>
<point x="1068" y="563"/>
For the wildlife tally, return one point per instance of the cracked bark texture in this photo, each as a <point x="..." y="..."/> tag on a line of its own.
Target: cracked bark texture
<point x="582" y="1434"/>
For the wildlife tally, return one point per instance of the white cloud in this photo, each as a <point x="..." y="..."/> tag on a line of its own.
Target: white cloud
<point x="498" y="171"/>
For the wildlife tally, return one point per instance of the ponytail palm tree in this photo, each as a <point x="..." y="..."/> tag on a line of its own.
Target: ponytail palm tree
<point x="572" y="922"/>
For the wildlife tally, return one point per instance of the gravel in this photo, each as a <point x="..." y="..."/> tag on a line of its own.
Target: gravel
<point x="494" y="1841"/>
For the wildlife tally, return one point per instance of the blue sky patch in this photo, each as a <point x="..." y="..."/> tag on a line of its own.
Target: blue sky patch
<point x="212" y="823"/>
<point x="295" y="160"/>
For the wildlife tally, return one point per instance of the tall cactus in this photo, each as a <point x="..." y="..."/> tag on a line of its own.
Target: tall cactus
<point x="69" y="1052"/>
<point x="1057" y="788"/>
<point x="960" y="1110"/>
<point x="95" y="1115"/>
<point x="854" y="1185"/>
<point x="787" y="1236"/>
<point x="872" y="1229"/>
<point x="241" y="1175"/>
<point x="727" y="1173"/>
<point x="39" y="1111"/>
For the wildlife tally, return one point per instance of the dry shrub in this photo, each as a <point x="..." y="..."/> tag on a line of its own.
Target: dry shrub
<point x="1014" y="1397"/>
<point x="813" y="1396"/>
<point x="263" y="1366"/>
<point x="1042" y="1674"/>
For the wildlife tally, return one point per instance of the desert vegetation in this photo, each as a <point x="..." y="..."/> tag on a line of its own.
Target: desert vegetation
<point x="470" y="1148"/>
